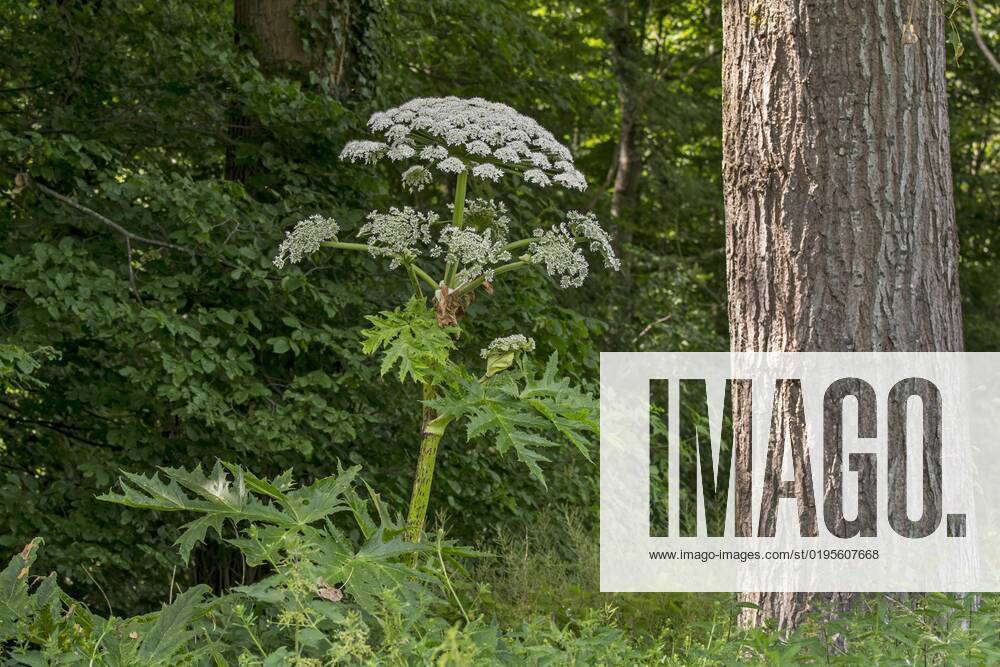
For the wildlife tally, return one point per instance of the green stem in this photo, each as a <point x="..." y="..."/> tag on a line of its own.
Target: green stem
<point x="346" y="246"/>
<point x="519" y="244"/>
<point x="416" y="283"/>
<point x="432" y="428"/>
<point x="457" y="220"/>
<point x="473" y="284"/>
<point x="423" y="275"/>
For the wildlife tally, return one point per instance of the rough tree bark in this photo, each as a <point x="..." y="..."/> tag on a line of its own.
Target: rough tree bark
<point x="838" y="191"/>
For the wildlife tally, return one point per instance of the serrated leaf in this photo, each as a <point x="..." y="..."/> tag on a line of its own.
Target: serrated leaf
<point x="321" y="498"/>
<point x="519" y="411"/>
<point x="194" y="533"/>
<point x="171" y="630"/>
<point x="411" y="339"/>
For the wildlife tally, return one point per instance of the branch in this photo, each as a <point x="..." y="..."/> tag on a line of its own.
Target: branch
<point x="129" y="236"/>
<point x="649" y="327"/>
<point x="979" y="37"/>
<point x="61" y="429"/>
<point x="23" y="180"/>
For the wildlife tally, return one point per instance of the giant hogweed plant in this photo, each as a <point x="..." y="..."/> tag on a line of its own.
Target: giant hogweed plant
<point x="509" y="401"/>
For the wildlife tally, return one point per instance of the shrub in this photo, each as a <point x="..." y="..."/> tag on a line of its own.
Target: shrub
<point x="341" y="586"/>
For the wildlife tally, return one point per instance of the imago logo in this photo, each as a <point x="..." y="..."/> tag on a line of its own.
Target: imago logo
<point x="799" y="472"/>
<point x="709" y="473"/>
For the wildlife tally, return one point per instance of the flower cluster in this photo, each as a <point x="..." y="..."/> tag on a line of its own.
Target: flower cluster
<point x="368" y="152"/>
<point x="462" y="136"/>
<point x="487" y="214"/>
<point x="398" y="234"/>
<point x="587" y="226"/>
<point x="514" y="343"/>
<point x="556" y="249"/>
<point x="458" y="135"/>
<point x="305" y="238"/>
<point x="476" y="252"/>
<point x="416" y="177"/>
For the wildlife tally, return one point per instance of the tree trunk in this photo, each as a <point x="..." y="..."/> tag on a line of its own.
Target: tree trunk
<point x="626" y="52"/>
<point x="838" y="192"/>
<point x="627" y="63"/>
<point x="277" y="32"/>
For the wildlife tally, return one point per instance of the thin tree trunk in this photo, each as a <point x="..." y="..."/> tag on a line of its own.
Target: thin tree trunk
<point x="626" y="59"/>
<point x="626" y="52"/>
<point x="838" y="191"/>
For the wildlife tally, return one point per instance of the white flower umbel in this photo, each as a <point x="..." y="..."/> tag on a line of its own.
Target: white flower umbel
<point x="451" y="165"/>
<point x="474" y="252"/>
<point x="487" y="214"/>
<point x="305" y="238"/>
<point x="368" y="152"/>
<point x="556" y="250"/>
<point x="586" y="225"/>
<point x="538" y="177"/>
<point x="513" y="343"/>
<point x="487" y="172"/>
<point x="398" y="234"/>
<point x="499" y="354"/>
<point x="458" y="134"/>
<point x="416" y="177"/>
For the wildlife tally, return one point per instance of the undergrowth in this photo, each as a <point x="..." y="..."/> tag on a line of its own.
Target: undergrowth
<point x="338" y="584"/>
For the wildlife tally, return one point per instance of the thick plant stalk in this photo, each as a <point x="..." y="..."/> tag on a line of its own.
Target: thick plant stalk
<point x="432" y="428"/>
<point x="458" y="219"/>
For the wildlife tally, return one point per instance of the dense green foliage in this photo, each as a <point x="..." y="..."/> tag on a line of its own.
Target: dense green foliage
<point x="143" y="325"/>
<point x="177" y="356"/>
<point x="341" y="589"/>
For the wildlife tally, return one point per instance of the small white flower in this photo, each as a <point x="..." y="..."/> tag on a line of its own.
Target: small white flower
<point x="433" y="153"/>
<point x="416" y="177"/>
<point x="368" y="152"/>
<point x="398" y="234"/>
<point x="513" y="343"/>
<point x="401" y="152"/>
<point x="550" y="145"/>
<point x="455" y="136"/>
<point x="451" y="165"/>
<point x="305" y="238"/>
<point x="517" y="135"/>
<point x="540" y="160"/>
<point x="397" y="133"/>
<point x="379" y="121"/>
<point x="507" y="154"/>
<point x="487" y="172"/>
<point x="475" y="252"/>
<point x="538" y="177"/>
<point x="478" y="147"/>
<point x="571" y="179"/>
<point x="587" y="226"/>
<point x="520" y="147"/>
<point x="404" y="116"/>
<point x="487" y="214"/>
